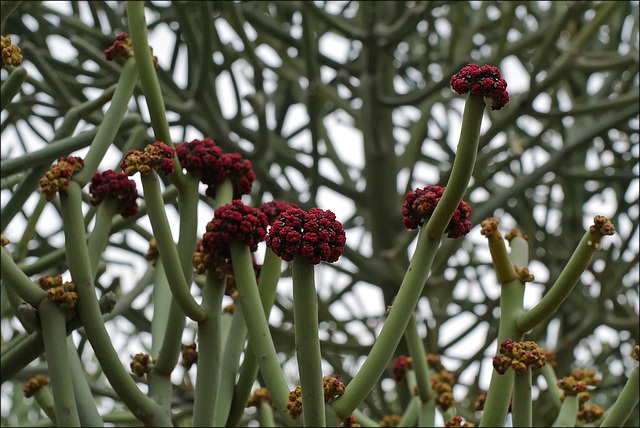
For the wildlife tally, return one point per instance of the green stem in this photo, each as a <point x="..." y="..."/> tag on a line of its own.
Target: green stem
<point x="111" y="123"/>
<point x="100" y="235"/>
<point x="149" y="81"/>
<point x="396" y="323"/>
<point x="89" y="312"/>
<point x="552" y="383"/>
<point x="44" y="398"/>
<point x="167" y="248"/>
<point x="568" y="412"/>
<point x="22" y="247"/>
<point x="258" y="326"/>
<point x="521" y="408"/>
<point x="265" y="415"/>
<point x="565" y="283"/>
<point x="52" y="321"/>
<point x="209" y="353"/>
<point x="14" y="278"/>
<point x="618" y="414"/>
<point x="12" y="86"/>
<point x="462" y="167"/>
<point x="410" y="415"/>
<point x="419" y="360"/>
<point x="87" y="410"/>
<point x="305" y="313"/>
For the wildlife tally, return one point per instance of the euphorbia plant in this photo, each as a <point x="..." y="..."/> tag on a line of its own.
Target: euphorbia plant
<point x="252" y="247"/>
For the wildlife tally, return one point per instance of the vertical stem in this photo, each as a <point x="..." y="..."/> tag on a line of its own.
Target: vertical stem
<point x="305" y="313"/>
<point x="568" y="412"/>
<point x="87" y="410"/>
<point x="626" y="402"/>
<point x="521" y="408"/>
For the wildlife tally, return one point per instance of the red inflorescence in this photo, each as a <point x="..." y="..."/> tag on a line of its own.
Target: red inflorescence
<point x="485" y="80"/>
<point x="118" y="186"/>
<point x="234" y="221"/>
<point x="205" y="158"/>
<point x="122" y="48"/>
<point x="57" y="178"/>
<point x="420" y="204"/>
<point x="400" y="367"/>
<point x="315" y="235"/>
<point x="154" y="156"/>
<point x="273" y="209"/>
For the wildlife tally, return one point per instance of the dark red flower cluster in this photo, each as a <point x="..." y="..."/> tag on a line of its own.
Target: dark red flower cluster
<point x="57" y="178"/>
<point x="234" y="221"/>
<point x="486" y="81"/>
<point x="154" y="155"/>
<point x="400" y="367"/>
<point x="420" y="204"/>
<point x="518" y="356"/>
<point x="115" y="185"/>
<point x="205" y="158"/>
<point x="315" y="235"/>
<point x="273" y="209"/>
<point x="122" y="48"/>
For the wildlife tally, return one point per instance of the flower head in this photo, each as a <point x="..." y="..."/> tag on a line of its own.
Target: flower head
<point x="122" y="48"/>
<point x="115" y="185"/>
<point x="486" y="81"/>
<point x="57" y="178"/>
<point x="333" y="388"/>
<point x="10" y="53"/>
<point x="34" y="384"/>
<point x="294" y="404"/>
<point x="142" y="364"/>
<point x="519" y="356"/>
<point x="154" y="155"/>
<point x="274" y="208"/>
<point x="259" y="396"/>
<point x="315" y="235"/>
<point x="58" y="292"/>
<point x="189" y="355"/>
<point x="420" y="204"/>
<point x="400" y="367"/>
<point x="234" y="221"/>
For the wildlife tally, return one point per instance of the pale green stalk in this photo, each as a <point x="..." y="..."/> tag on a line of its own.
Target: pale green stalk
<point x="87" y="409"/>
<point x="521" y="408"/>
<point x="568" y="412"/>
<point x="618" y="414"/>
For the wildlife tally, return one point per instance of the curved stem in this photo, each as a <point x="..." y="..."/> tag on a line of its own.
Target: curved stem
<point x="52" y="321"/>
<point x="14" y="278"/>
<point x="12" y="86"/>
<point x="618" y="414"/>
<point x="305" y="314"/>
<point x="396" y="323"/>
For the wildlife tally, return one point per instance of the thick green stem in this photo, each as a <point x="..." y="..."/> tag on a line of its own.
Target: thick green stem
<point x="52" y="321"/>
<point x="618" y="414"/>
<point x="167" y="248"/>
<point x="87" y="410"/>
<point x="90" y="315"/>
<point x="100" y="234"/>
<point x="209" y="353"/>
<point x="419" y="360"/>
<point x="386" y="343"/>
<point x="258" y="326"/>
<point x="565" y="283"/>
<point x="305" y="313"/>
<point x="462" y="167"/>
<point x="111" y="122"/>
<point x="521" y="408"/>
<point x="12" y="86"/>
<point x="14" y="278"/>
<point x="568" y="412"/>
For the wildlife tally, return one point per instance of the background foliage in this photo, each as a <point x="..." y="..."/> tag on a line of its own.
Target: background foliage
<point x="346" y="105"/>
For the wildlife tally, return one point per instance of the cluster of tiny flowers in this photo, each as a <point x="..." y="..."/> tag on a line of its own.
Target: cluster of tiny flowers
<point x="513" y="233"/>
<point x="62" y="294"/>
<point x="486" y="81"/>
<point x="122" y="48"/>
<point x="457" y="422"/>
<point x="390" y="421"/>
<point x="115" y="185"/>
<point x="591" y="413"/>
<point x="350" y="422"/>
<point x="603" y="225"/>
<point x="10" y="53"/>
<point x="152" y="253"/>
<point x="442" y="389"/>
<point x="316" y="235"/>
<point x="518" y="356"/>
<point x="490" y="226"/>
<point x="577" y="382"/>
<point x="420" y="204"/>
<point x="523" y="274"/>
<point x="294" y="404"/>
<point x="401" y="365"/>
<point x="142" y="364"/>
<point x="34" y="384"/>
<point x="234" y="221"/>
<point x="154" y="156"/>
<point x="205" y="158"/>
<point x="333" y="388"/>
<point x="273" y="209"/>
<point x="189" y="355"/>
<point x="259" y="396"/>
<point x="57" y="178"/>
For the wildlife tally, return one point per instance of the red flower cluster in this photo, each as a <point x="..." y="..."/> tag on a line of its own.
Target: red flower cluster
<point x="400" y="367"/>
<point x="204" y="157"/>
<point x="234" y="221"/>
<point x="518" y="356"/>
<point x="57" y="178"/>
<point x="115" y="185"/>
<point x="273" y="209"/>
<point x="316" y="235"/>
<point x="485" y="80"/>
<point x="122" y="48"/>
<point x="420" y="204"/>
<point x="154" y="155"/>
